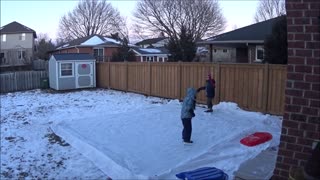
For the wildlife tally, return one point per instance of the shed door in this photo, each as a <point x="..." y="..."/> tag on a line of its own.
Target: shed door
<point x="84" y="74"/>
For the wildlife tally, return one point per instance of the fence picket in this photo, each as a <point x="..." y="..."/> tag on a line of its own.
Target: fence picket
<point x="21" y="81"/>
<point x="255" y="87"/>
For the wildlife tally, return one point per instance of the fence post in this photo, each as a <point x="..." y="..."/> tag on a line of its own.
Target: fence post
<point x="150" y="78"/>
<point x="265" y="93"/>
<point x="218" y="82"/>
<point x="127" y="75"/>
<point x="180" y="79"/>
<point x="109" y="75"/>
<point x="15" y="82"/>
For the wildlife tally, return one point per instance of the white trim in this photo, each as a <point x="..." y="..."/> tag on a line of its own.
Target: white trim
<point x="256" y="54"/>
<point x="57" y="73"/>
<point x="4" y="38"/>
<point x="239" y="41"/>
<point x="60" y="69"/>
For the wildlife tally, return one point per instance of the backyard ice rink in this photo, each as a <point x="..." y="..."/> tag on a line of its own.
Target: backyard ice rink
<point x="121" y="135"/>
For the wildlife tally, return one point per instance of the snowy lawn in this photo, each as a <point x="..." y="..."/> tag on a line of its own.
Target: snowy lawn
<point x="121" y="135"/>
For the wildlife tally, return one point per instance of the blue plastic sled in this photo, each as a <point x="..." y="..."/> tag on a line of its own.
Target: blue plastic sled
<point x="205" y="173"/>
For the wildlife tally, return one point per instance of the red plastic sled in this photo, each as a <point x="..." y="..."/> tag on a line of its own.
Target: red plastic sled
<point x="256" y="139"/>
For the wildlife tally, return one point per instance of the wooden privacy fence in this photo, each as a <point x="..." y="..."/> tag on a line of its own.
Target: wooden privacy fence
<point x="21" y="80"/>
<point x="256" y="87"/>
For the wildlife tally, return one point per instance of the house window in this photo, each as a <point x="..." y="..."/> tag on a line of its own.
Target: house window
<point x="98" y="54"/>
<point x="66" y="69"/>
<point x="149" y="58"/>
<point x="225" y="50"/>
<point x="259" y="53"/>
<point x="2" y="59"/>
<point x="4" y="37"/>
<point x="22" y="37"/>
<point x="21" y="54"/>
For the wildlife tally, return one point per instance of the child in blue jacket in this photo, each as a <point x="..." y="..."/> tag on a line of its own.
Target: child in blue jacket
<point x="187" y="113"/>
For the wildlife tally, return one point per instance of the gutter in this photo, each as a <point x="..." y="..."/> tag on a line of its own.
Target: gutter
<point x="223" y="42"/>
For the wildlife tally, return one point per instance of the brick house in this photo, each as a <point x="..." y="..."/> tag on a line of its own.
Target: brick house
<point x="17" y="45"/>
<point x="243" y="45"/>
<point x="301" y="120"/>
<point x="102" y="48"/>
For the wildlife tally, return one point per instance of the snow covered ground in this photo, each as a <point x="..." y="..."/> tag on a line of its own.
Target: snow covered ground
<point x="121" y="135"/>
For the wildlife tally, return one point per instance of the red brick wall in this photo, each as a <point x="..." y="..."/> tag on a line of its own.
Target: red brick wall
<point x="110" y="50"/>
<point x="301" y="122"/>
<point x="74" y="50"/>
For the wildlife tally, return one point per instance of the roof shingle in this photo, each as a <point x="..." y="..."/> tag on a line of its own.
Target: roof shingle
<point x="73" y="56"/>
<point x="15" y="27"/>
<point x="254" y="32"/>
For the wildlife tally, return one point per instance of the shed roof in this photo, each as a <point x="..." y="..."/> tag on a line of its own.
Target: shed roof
<point x="73" y="56"/>
<point x="252" y="33"/>
<point x="15" y="27"/>
<point x="92" y="40"/>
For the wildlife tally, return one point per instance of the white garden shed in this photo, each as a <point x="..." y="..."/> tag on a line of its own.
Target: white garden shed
<point x="72" y="71"/>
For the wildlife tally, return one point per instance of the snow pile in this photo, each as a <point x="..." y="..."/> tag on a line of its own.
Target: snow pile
<point x="95" y="40"/>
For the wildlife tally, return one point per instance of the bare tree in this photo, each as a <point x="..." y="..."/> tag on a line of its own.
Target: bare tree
<point x="90" y="17"/>
<point x="268" y="9"/>
<point x="200" y="18"/>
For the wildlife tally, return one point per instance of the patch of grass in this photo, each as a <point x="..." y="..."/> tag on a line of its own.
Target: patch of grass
<point x="53" y="138"/>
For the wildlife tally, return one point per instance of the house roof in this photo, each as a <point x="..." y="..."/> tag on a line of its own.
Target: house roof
<point x="150" y="51"/>
<point x="150" y="41"/>
<point x="73" y="56"/>
<point x="255" y="33"/>
<point x="92" y="40"/>
<point x="15" y="27"/>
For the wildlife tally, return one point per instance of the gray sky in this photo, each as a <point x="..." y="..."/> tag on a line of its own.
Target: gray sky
<point x="44" y="16"/>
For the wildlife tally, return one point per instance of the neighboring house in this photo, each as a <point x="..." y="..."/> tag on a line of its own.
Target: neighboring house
<point x="17" y="45"/>
<point x="72" y="71"/>
<point x="150" y="54"/>
<point x="201" y="54"/>
<point x="102" y="48"/>
<point x="153" y="42"/>
<point x="243" y="45"/>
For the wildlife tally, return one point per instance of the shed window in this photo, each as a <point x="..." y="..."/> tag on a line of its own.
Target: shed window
<point x="66" y="69"/>
<point x="259" y="53"/>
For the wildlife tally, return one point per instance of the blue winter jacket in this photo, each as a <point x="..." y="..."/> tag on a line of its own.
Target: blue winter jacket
<point x="189" y="104"/>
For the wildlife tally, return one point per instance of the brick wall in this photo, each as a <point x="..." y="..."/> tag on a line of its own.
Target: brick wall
<point x="301" y="122"/>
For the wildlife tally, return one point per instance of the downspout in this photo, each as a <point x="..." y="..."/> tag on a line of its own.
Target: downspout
<point x="77" y="49"/>
<point x="210" y="45"/>
<point x="249" y="54"/>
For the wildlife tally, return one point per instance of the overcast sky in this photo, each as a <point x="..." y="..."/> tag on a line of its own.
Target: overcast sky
<point x="43" y="16"/>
